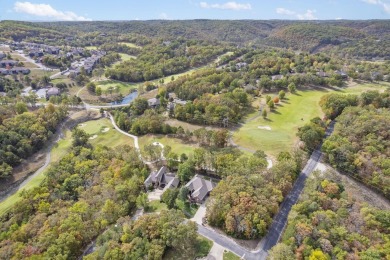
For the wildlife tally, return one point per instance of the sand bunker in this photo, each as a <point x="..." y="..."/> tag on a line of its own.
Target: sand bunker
<point x="93" y="137"/>
<point x="82" y="125"/>
<point x="265" y="127"/>
<point x="105" y="130"/>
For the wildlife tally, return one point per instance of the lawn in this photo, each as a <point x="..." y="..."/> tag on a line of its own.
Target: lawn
<point x="125" y="57"/>
<point x="284" y="121"/>
<point x="178" y="146"/>
<point x="111" y="138"/>
<point x="230" y="256"/>
<point x="131" y="45"/>
<point x="124" y="88"/>
<point x="91" y="48"/>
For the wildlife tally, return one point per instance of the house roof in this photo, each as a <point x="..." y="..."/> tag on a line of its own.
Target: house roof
<point x="200" y="187"/>
<point x="162" y="177"/>
<point x="154" y="102"/>
<point x="277" y="77"/>
<point x="53" y="91"/>
<point x="322" y="74"/>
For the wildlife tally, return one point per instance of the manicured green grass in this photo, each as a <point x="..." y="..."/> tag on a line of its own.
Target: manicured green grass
<point x="284" y="123"/>
<point x="285" y="120"/>
<point x="125" y="57"/>
<point x="131" y="45"/>
<point x="124" y="88"/>
<point x="91" y="48"/>
<point x="156" y="206"/>
<point x="230" y="256"/>
<point x="111" y="138"/>
<point x="177" y="145"/>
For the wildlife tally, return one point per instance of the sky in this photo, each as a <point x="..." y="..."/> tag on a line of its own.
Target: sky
<point x="93" y="10"/>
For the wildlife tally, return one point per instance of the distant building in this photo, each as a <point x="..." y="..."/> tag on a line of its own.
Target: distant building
<point x="153" y="102"/>
<point x="5" y="63"/>
<point x="162" y="179"/>
<point x="322" y="74"/>
<point x="199" y="188"/>
<point x="241" y="65"/>
<point x="4" y="71"/>
<point x="341" y="73"/>
<point x="277" y="77"/>
<point x="53" y="91"/>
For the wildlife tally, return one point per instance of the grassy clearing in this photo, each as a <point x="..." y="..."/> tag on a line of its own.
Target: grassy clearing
<point x="230" y="256"/>
<point x="125" y="57"/>
<point x="111" y="138"/>
<point x="124" y="88"/>
<point x="284" y="123"/>
<point x="131" y="45"/>
<point x="178" y="146"/>
<point x="285" y="120"/>
<point x="91" y="48"/>
<point x="39" y="73"/>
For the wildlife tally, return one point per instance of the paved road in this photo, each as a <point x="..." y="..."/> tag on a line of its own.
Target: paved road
<point x="135" y="138"/>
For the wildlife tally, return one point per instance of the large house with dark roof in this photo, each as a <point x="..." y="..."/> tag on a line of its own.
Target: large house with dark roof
<point x="199" y="188"/>
<point x="162" y="179"/>
<point x="5" y="63"/>
<point x="153" y="102"/>
<point x="53" y="91"/>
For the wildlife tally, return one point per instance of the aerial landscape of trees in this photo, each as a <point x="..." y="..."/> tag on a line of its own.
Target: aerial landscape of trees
<point x="26" y="133"/>
<point x="241" y="104"/>
<point x="82" y="195"/>
<point x="329" y="223"/>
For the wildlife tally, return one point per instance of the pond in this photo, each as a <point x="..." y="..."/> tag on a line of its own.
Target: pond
<point x="127" y="99"/>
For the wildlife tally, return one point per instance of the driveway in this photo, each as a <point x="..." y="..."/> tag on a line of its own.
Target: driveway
<point x="155" y="194"/>
<point x="216" y="252"/>
<point x="200" y="214"/>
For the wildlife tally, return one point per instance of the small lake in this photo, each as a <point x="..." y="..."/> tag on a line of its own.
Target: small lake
<point x="127" y="99"/>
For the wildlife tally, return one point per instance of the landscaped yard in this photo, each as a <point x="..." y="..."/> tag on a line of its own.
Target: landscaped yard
<point x="278" y="132"/>
<point x="103" y="133"/>
<point x="177" y="145"/>
<point x="230" y="256"/>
